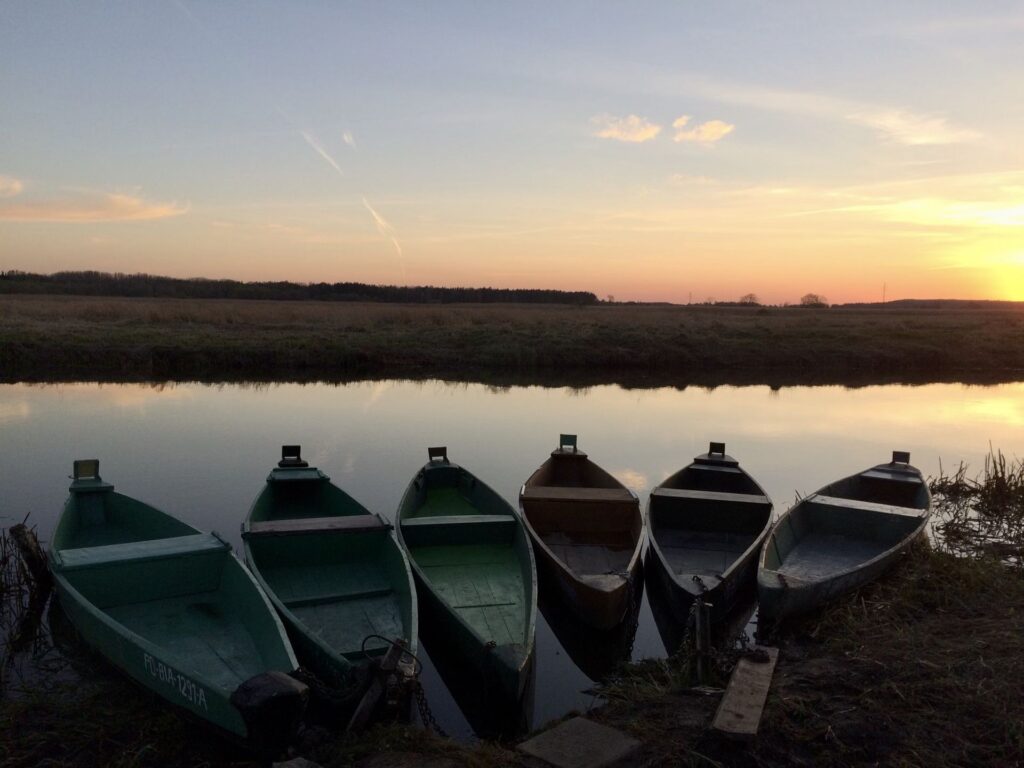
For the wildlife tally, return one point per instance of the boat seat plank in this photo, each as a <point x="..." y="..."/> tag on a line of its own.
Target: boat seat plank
<point x="870" y="506"/>
<point x="337" y="596"/>
<point x="686" y="493"/>
<point x="457" y="520"/>
<point x="291" y="475"/>
<point x="897" y="476"/>
<point x="300" y="525"/>
<point x="560" y="493"/>
<point x="139" y="551"/>
<point x="716" y="468"/>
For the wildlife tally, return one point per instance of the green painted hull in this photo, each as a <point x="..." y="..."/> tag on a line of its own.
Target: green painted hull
<point x="476" y="579"/>
<point x="335" y="573"/>
<point x="169" y="606"/>
<point x="840" y="538"/>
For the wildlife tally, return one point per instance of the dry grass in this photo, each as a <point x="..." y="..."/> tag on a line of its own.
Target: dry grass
<point x="113" y="338"/>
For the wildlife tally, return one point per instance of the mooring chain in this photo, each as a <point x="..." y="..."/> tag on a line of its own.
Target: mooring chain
<point x="418" y="692"/>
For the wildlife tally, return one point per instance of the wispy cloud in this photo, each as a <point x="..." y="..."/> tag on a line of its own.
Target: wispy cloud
<point x="704" y="133"/>
<point x="91" y="207"/>
<point x="349" y="139"/>
<point x="318" y="148"/>
<point x="385" y="229"/>
<point x="909" y="126"/>
<point x="10" y="186"/>
<point x="632" y="128"/>
<point x="912" y="129"/>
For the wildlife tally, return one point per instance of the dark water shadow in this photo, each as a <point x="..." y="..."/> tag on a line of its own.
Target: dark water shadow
<point x="597" y="653"/>
<point x="675" y="622"/>
<point x="490" y="712"/>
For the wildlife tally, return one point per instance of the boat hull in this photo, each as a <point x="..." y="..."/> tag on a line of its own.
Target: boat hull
<point x="588" y="533"/>
<point x="603" y="604"/>
<point x="841" y="537"/>
<point x="335" y="573"/>
<point x="175" y="610"/>
<point x="476" y="583"/>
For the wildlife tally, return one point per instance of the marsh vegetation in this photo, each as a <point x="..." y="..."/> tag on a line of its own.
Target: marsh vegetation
<point x="62" y="337"/>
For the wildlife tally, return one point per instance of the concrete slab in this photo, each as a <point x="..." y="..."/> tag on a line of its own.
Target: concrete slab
<point x="581" y="743"/>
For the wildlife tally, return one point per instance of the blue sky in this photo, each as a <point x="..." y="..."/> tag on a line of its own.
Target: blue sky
<point x="650" y="151"/>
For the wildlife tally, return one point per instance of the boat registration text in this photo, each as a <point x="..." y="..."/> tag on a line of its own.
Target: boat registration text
<point x="187" y="689"/>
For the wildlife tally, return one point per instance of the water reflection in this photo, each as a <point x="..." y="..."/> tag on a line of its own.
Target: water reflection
<point x="488" y="710"/>
<point x="597" y="653"/>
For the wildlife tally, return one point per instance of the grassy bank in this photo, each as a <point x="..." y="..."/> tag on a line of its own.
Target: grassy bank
<point x="47" y="338"/>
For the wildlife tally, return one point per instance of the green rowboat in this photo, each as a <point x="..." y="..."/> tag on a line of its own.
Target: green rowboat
<point x="841" y="537"/>
<point x="333" y="570"/>
<point x="175" y="610"/>
<point x="475" y="574"/>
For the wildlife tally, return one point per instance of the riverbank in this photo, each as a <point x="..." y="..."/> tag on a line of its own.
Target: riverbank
<point x="47" y="338"/>
<point x="923" y="667"/>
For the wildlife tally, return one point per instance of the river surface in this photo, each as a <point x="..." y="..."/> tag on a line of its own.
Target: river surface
<point x="202" y="452"/>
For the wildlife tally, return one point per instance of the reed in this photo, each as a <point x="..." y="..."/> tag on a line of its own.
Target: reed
<point x="983" y="516"/>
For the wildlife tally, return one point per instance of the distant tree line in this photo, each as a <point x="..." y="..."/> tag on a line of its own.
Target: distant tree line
<point x="91" y="283"/>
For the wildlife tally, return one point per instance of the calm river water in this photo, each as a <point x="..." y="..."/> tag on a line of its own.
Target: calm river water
<point x="201" y="452"/>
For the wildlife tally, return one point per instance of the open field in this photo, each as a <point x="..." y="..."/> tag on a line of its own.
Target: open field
<point x="50" y="337"/>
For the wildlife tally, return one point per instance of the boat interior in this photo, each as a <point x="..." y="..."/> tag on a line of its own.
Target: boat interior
<point x="705" y="517"/>
<point x="824" y="536"/>
<point x="179" y="589"/>
<point x="342" y="583"/>
<point x="469" y="546"/>
<point x="585" y="516"/>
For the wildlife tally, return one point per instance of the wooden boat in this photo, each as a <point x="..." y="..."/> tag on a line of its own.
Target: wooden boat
<point x="475" y="575"/>
<point x="175" y="610"/>
<point x="841" y="537"/>
<point x="708" y="522"/>
<point x="588" y="531"/>
<point x="334" y="571"/>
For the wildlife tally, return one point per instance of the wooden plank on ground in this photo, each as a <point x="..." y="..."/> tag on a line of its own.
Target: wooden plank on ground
<point x="739" y="712"/>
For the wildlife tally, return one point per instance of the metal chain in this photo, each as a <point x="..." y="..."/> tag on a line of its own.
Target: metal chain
<point x="426" y="716"/>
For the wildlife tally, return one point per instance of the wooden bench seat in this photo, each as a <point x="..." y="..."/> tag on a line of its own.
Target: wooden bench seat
<point x="139" y="551"/>
<point x="428" y="520"/>
<point x="869" y="506"/>
<point x="896" y="476"/>
<point x="303" y="525"/>
<point x="732" y="498"/>
<point x="563" y="493"/>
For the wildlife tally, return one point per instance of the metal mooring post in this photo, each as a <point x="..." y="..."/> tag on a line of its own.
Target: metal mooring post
<point x="703" y="639"/>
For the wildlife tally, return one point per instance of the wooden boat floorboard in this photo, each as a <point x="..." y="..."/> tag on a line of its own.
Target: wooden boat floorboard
<point x="343" y="624"/>
<point x="481" y="583"/>
<point x="445" y="502"/>
<point x="199" y="633"/>
<point x="702" y="552"/>
<point x="587" y="559"/>
<point x="820" y="555"/>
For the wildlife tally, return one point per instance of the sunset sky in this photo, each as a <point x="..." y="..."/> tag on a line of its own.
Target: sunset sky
<point x="651" y="150"/>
